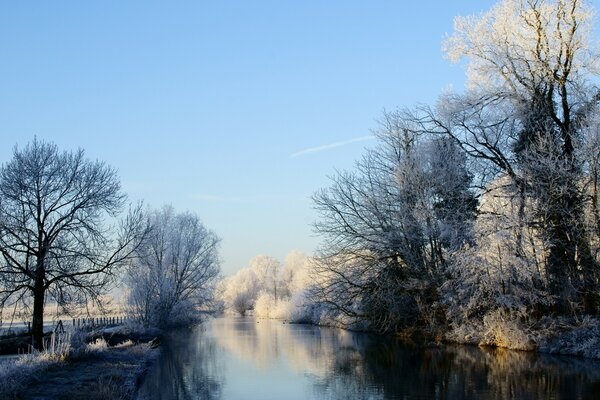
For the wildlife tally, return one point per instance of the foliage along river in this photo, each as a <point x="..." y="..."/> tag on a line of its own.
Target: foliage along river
<point x="243" y="358"/>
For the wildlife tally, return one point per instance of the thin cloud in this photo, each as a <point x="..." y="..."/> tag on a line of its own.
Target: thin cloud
<point x="330" y="146"/>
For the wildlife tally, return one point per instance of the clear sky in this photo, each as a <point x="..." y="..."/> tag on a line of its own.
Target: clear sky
<point x="237" y="111"/>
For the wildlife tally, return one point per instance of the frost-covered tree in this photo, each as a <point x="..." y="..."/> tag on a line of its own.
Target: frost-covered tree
<point x="175" y="269"/>
<point x="388" y="225"/>
<point x="240" y="291"/>
<point x="266" y="269"/>
<point x="496" y="275"/>
<point x="453" y="202"/>
<point x="589" y="153"/>
<point x="530" y="101"/>
<point x="294" y="276"/>
<point x="55" y="240"/>
<point x="267" y="288"/>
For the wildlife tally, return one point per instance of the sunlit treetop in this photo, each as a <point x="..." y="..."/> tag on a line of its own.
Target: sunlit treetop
<point x="520" y="44"/>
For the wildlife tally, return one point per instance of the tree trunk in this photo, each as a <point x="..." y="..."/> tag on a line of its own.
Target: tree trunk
<point x="561" y="258"/>
<point x="589" y="285"/>
<point x="571" y="265"/>
<point x="37" y="325"/>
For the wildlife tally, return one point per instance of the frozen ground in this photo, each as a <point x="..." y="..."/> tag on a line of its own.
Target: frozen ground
<point x="92" y="371"/>
<point x="111" y="374"/>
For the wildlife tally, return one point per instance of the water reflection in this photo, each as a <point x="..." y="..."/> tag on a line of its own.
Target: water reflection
<point x="239" y="358"/>
<point x="188" y="368"/>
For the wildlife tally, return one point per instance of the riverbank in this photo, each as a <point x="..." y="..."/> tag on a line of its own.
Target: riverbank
<point x="108" y="364"/>
<point x="570" y="336"/>
<point x="548" y="335"/>
<point x="573" y="335"/>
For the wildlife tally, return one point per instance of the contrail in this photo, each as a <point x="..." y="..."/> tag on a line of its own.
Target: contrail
<point x="324" y="147"/>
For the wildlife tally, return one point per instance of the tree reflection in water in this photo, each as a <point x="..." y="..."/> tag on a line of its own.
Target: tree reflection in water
<point x="377" y="369"/>
<point x="327" y="363"/>
<point x="186" y="369"/>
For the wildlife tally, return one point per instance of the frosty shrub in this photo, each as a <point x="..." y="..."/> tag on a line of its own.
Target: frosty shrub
<point x="268" y="307"/>
<point x="303" y="309"/>
<point x="97" y="346"/>
<point x="17" y="373"/>
<point x="568" y="336"/>
<point x="264" y="306"/>
<point x="505" y="329"/>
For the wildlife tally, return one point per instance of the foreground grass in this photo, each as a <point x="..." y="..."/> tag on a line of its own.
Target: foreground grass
<point x="91" y="371"/>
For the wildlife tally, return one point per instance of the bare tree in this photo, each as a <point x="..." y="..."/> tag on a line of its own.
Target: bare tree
<point x="53" y="233"/>
<point x="388" y="224"/>
<point x="175" y="269"/>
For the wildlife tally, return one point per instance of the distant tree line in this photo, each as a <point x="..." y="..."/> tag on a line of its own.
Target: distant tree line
<point x="266" y="288"/>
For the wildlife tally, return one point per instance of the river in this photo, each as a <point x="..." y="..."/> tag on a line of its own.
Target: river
<point x="243" y="358"/>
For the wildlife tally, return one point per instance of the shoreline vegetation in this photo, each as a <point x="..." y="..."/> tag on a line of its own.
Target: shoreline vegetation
<point x="252" y="290"/>
<point x="557" y="337"/>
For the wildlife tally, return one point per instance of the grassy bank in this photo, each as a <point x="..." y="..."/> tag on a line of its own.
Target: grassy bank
<point x="107" y="364"/>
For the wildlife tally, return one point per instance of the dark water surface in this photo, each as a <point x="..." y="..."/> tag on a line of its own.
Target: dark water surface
<point x="243" y="358"/>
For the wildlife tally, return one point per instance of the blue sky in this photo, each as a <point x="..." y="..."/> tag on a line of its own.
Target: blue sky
<point x="238" y="111"/>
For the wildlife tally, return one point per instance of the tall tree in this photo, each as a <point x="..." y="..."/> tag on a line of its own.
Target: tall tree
<point x="527" y="106"/>
<point x="54" y="238"/>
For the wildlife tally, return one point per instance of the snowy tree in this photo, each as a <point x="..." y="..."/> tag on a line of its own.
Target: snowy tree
<point x="294" y="276"/>
<point x="240" y="291"/>
<point x="530" y="98"/>
<point x="175" y="269"/>
<point x="453" y="202"/>
<point x="265" y="287"/>
<point x="266" y="269"/>
<point x="591" y="157"/>
<point x="388" y="225"/>
<point x="495" y="274"/>
<point x="54" y="239"/>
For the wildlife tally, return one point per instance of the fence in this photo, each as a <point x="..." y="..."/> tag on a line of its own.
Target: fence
<point x="14" y="328"/>
<point x="99" y="321"/>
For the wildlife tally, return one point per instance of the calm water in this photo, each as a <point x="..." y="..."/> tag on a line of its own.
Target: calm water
<point x="242" y="358"/>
